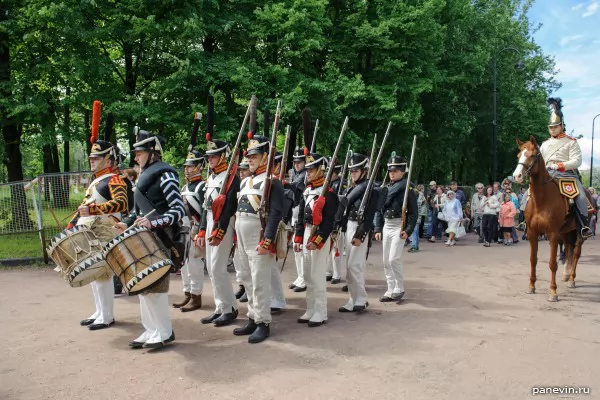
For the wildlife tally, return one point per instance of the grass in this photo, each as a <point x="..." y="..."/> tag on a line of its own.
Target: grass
<point x="23" y="245"/>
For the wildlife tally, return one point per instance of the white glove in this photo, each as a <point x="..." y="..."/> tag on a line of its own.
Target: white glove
<point x="553" y="166"/>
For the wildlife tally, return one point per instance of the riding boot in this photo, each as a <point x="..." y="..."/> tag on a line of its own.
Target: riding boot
<point x="195" y="303"/>
<point x="584" y="230"/>
<point x="184" y="301"/>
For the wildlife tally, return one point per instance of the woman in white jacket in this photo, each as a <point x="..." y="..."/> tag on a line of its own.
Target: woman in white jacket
<point x="490" y="216"/>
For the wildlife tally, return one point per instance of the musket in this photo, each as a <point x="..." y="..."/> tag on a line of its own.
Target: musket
<point x="365" y="200"/>
<point x="327" y="182"/>
<point x="372" y="157"/>
<point x="263" y="209"/>
<point x="217" y="205"/>
<point x="344" y="168"/>
<point x="314" y="138"/>
<point x="286" y="148"/>
<point x="410" y="167"/>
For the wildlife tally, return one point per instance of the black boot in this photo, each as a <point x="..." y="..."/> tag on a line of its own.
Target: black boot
<point x="226" y="318"/>
<point x="246" y="330"/>
<point x="210" y="319"/>
<point x="240" y="292"/>
<point x="261" y="333"/>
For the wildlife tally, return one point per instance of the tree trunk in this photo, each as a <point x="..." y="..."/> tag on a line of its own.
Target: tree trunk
<point x="67" y="134"/>
<point x="12" y="139"/>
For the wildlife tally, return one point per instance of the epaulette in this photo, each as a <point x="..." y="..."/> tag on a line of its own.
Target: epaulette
<point x="117" y="180"/>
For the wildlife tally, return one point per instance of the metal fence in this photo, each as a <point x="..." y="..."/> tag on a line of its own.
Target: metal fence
<point x="59" y="196"/>
<point x="43" y="207"/>
<point x="19" y="215"/>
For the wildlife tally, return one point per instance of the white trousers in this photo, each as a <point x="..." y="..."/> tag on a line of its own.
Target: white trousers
<point x="393" y="246"/>
<point x="236" y="263"/>
<point x="156" y="318"/>
<point x="299" y="269"/>
<point x="104" y="298"/>
<point x="355" y="268"/>
<point x="315" y="264"/>
<point x="255" y="269"/>
<point x="192" y="274"/>
<point x="217" y="258"/>
<point x="334" y="261"/>
<point x="277" y="296"/>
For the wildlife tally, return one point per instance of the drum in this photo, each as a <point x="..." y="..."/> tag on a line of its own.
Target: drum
<point x="78" y="254"/>
<point x="137" y="259"/>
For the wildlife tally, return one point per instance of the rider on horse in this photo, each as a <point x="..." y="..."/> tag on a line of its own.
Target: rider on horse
<point x="562" y="155"/>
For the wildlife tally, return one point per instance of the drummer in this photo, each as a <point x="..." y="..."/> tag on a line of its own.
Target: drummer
<point x="158" y="207"/>
<point x="106" y="199"/>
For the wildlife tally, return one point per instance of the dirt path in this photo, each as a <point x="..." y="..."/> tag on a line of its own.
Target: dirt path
<point x="466" y="330"/>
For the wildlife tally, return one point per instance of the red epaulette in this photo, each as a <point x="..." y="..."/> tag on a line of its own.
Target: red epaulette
<point x="117" y="180"/>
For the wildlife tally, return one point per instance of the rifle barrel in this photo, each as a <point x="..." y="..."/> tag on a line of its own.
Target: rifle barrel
<point x="368" y="190"/>
<point x="410" y="169"/>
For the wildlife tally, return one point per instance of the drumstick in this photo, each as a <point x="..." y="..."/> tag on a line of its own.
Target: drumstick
<point x="77" y="210"/>
<point x="132" y="226"/>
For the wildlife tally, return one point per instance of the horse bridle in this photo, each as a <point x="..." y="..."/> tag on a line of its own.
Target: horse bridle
<point x="530" y="167"/>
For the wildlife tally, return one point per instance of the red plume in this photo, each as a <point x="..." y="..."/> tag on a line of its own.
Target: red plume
<point x="96" y="110"/>
<point x="250" y="135"/>
<point x="305" y="151"/>
<point x="208" y="136"/>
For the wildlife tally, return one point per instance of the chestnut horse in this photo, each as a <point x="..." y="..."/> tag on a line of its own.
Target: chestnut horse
<point x="546" y="213"/>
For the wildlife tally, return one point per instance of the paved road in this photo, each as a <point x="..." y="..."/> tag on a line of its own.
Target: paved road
<point x="466" y="330"/>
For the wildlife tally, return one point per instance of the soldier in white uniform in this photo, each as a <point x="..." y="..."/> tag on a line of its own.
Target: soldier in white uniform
<point x="316" y="212"/>
<point x="357" y="233"/>
<point x="158" y="207"/>
<point x="389" y="227"/>
<point x="334" y="261"/>
<point x="244" y="171"/>
<point x="298" y="184"/>
<point x="278" y="302"/>
<point x="256" y="253"/>
<point x="562" y="155"/>
<point x="105" y="202"/>
<point x="192" y="273"/>
<point x="219" y="233"/>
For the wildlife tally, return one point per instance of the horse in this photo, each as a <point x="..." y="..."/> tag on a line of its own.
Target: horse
<point x="547" y="212"/>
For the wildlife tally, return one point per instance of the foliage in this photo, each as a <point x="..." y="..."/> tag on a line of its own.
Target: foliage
<point x="426" y="65"/>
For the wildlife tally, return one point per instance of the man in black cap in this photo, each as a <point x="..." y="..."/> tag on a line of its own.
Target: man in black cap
<point x="192" y="273"/>
<point x="160" y="208"/>
<point x="219" y="233"/>
<point x="319" y="212"/>
<point x="106" y="200"/>
<point x="257" y="255"/>
<point x="356" y="233"/>
<point x="388" y="225"/>
<point x="298" y="184"/>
